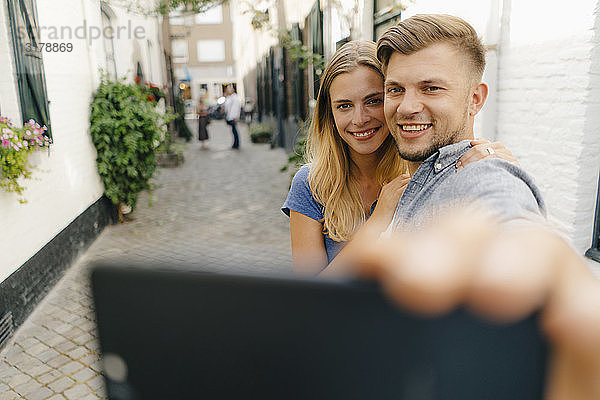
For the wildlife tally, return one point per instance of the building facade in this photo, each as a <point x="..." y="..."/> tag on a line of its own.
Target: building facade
<point x="65" y="208"/>
<point x="202" y="48"/>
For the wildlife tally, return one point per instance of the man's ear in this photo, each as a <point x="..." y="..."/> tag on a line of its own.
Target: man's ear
<point x="477" y="98"/>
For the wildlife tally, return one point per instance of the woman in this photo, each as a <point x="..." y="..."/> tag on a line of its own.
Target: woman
<point x="202" y="112"/>
<point x="354" y="173"/>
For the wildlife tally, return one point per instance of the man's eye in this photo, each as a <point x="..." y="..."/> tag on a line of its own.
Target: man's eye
<point x="375" y="101"/>
<point x="432" y="88"/>
<point x="343" y="106"/>
<point x="394" y="89"/>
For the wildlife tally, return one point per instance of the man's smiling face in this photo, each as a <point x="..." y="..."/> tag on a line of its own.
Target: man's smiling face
<point x="428" y="100"/>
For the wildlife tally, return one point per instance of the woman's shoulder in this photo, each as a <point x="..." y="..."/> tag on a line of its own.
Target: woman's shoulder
<point x="303" y="173"/>
<point x="300" y="197"/>
<point x="300" y="183"/>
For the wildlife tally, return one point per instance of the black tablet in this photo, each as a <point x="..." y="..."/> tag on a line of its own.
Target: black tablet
<point x="169" y="334"/>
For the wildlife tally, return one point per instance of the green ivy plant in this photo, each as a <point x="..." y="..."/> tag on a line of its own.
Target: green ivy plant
<point x="126" y="130"/>
<point x="298" y="157"/>
<point x="16" y="144"/>
<point x="301" y="53"/>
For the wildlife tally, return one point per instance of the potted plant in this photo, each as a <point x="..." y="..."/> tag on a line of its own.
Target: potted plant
<point x="260" y="133"/>
<point x="16" y="144"/>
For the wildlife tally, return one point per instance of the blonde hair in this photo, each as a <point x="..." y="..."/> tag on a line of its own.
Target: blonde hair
<point x="421" y="31"/>
<point x="333" y="175"/>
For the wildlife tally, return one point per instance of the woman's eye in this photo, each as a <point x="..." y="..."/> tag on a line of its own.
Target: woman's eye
<point x="343" y="106"/>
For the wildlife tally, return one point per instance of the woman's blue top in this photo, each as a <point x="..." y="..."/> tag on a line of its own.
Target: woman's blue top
<point x="301" y="199"/>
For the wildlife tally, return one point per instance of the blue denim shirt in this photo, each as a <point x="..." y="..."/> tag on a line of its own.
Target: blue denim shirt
<point x="502" y="188"/>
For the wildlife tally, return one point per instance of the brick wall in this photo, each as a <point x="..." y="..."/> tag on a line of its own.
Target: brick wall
<point x="548" y="98"/>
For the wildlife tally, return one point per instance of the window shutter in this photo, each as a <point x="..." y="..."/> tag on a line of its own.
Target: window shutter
<point x="28" y="62"/>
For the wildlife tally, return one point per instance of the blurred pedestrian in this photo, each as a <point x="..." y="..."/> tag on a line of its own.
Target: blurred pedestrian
<point x="232" y="114"/>
<point x="203" y="121"/>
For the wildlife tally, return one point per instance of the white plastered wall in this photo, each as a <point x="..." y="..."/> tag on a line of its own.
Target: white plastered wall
<point x="65" y="182"/>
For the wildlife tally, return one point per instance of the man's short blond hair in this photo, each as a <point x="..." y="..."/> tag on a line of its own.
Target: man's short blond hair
<point x="421" y="31"/>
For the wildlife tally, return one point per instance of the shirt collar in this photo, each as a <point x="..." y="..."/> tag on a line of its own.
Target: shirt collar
<point x="450" y="154"/>
<point x="442" y="159"/>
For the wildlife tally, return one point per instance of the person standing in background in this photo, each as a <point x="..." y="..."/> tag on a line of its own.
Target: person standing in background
<point x="202" y="112"/>
<point x="232" y="114"/>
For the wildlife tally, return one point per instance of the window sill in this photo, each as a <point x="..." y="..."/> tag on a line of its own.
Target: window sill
<point x="593" y="254"/>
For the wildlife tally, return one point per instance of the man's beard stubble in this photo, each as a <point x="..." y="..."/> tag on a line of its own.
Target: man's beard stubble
<point x="437" y="143"/>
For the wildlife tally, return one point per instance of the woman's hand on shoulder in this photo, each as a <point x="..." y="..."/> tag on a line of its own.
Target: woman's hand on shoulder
<point x="389" y="197"/>
<point x="483" y="148"/>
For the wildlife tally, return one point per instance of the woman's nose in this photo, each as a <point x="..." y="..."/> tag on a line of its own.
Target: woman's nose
<point x="360" y="116"/>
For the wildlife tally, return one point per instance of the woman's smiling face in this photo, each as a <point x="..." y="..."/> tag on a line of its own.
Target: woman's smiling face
<point x="357" y="106"/>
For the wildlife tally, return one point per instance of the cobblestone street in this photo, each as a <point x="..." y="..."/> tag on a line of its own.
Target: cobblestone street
<point x="221" y="207"/>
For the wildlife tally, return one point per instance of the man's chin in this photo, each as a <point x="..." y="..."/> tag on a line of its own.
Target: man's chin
<point x="417" y="156"/>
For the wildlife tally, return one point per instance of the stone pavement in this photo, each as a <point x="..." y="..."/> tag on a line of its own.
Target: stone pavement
<point x="221" y="207"/>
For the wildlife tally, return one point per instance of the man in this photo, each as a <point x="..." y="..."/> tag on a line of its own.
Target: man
<point x="502" y="262"/>
<point x="232" y="114"/>
<point x="433" y="67"/>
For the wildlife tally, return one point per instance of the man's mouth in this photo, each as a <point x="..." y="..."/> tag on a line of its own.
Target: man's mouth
<point x="364" y="134"/>
<point x="413" y="130"/>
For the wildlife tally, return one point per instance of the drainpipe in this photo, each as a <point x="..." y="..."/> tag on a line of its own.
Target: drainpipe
<point x="279" y="69"/>
<point x="499" y="10"/>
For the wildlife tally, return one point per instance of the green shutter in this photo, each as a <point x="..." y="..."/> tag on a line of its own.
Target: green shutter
<point x="29" y="64"/>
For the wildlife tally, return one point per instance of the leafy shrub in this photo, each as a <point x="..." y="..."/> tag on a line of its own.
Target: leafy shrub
<point x="260" y="133"/>
<point x="126" y="130"/>
<point x="15" y="146"/>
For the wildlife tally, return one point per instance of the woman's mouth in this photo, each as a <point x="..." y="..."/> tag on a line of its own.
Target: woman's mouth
<point x="411" y="131"/>
<point x="366" y="134"/>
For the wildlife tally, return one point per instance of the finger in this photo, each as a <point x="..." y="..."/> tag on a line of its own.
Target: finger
<point x="477" y="141"/>
<point x="432" y="270"/>
<point x="572" y="322"/>
<point x="573" y="317"/>
<point x="515" y="273"/>
<point x="371" y="258"/>
<point x="475" y="153"/>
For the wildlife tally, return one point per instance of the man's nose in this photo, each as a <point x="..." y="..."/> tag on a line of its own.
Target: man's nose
<point x="360" y="116"/>
<point x="410" y="104"/>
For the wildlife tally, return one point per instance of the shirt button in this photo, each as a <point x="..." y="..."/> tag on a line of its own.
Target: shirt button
<point x="438" y="167"/>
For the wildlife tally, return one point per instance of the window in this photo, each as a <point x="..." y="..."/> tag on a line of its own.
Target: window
<point x="213" y="15"/>
<point x="150" y="59"/>
<point x="28" y="62"/>
<point x="176" y="18"/>
<point x="387" y="13"/>
<point x="211" y="50"/>
<point x="180" y="51"/>
<point x="594" y="251"/>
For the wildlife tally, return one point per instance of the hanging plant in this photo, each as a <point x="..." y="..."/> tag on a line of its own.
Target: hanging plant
<point x="126" y="130"/>
<point x="16" y="144"/>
